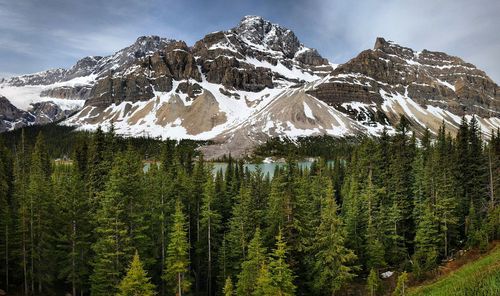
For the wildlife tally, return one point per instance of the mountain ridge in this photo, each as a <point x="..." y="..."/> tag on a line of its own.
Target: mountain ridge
<point x="256" y="81"/>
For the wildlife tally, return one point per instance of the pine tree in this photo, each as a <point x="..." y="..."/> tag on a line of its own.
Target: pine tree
<point x="6" y="217"/>
<point x="158" y="196"/>
<point x="259" y="188"/>
<point x="222" y="263"/>
<point x="276" y="207"/>
<point x="401" y="285"/>
<point x="373" y="283"/>
<point x="74" y="229"/>
<point x="136" y="211"/>
<point x="247" y="279"/>
<point x="210" y="224"/>
<point x="492" y="224"/>
<point x="99" y="163"/>
<point x="21" y="178"/>
<point x="382" y="159"/>
<point x="80" y="157"/>
<point x="420" y="193"/>
<point x="374" y="249"/>
<point x="136" y="281"/>
<point x="307" y="209"/>
<point x="426" y="243"/>
<point x="195" y="186"/>
<point x="400" y="193"/>
<point x="331" y="269"/>
<point x="282" y="204"/>
<point x="177" y="261"/>
<point x="477" y="182"/>
<point x="228" y="287"/>
<point x="112" y="245"/>
<point x="241" y="230"/>
<point x="280" y="273"/>
<point x="356" y="199"/>
<point x="444" y="192"/>
<point x="264" y="284"/>
<point x="120" y="223"/>
<point x="41" y="227"/>
<point x="462" y="172"/>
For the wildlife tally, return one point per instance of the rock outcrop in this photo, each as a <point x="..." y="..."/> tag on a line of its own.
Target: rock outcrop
<point x="39" y="113"/>
<point x="48" y="112"/>
<point x="427" y="77"/>
<point x="11" y="117"/>
<point x="80" y="92"/>
<point x="249" y="57"/>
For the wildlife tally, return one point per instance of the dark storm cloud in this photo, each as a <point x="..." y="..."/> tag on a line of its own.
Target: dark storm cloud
<point x="36" y="35"/>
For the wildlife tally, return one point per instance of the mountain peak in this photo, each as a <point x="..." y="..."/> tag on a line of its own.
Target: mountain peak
<point x="252" y="19"/>
<point x="380" y="42"/>
<point x="259" y="25"/>
<point x="255" y="30"/>
<point x="391" y="47"/>
<point x="149" y="38"/>
<point x="383" y="44"/>
<point x="148" y="43"/>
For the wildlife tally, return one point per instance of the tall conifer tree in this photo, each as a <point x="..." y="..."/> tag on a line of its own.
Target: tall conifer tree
<point x="177" y="262"/>
<point x="136" y="281"/>
<point x="331" y="266"/>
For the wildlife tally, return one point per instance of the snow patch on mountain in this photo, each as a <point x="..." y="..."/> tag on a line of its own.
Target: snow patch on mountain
<point x="308" y="112"/>
<point x="23" y="96"/>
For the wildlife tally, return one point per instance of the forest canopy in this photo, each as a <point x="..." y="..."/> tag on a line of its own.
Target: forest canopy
<point x="100" y="224"/>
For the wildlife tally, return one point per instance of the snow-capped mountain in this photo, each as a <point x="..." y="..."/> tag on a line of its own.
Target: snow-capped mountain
<point x="257" y="80"/>
<point x="201" y="91"/>
<point x="427" y="87"/>
<point x="39" y="113"/>
<point x="61" y="92"/>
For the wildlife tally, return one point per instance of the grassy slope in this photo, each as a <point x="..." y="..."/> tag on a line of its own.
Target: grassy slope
<point x="479" y="278"/>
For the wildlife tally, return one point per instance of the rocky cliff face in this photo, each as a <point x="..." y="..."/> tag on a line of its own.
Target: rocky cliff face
<point x="40" y="113"/>
<point x="391" y="74"/>
<point x="90" y="77"/>
<point x="11" y="117"/>
<point x="255" y="81"/>
<point x="257" y="54"/>
<point x="95" y="65"/>
<point x="253" y="56"/>
<point x="242" y="68"/>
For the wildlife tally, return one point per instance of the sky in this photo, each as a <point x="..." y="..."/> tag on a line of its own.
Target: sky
<point x="36" y="35"/>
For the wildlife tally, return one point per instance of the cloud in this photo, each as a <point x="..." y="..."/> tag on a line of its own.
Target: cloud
<point x="463" y="28"/>
<point x="54" y="33"/>
<point x="106" y="40"/>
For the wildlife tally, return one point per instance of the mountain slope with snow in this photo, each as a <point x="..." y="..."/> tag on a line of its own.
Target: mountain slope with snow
<point x="255" y="81"/>
<point x="427" y="87"/>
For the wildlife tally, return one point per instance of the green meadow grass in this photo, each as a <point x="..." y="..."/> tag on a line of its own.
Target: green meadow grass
<point x="478" y="278"/>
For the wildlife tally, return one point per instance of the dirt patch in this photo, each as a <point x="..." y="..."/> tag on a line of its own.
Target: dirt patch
<point x="140" y="114"/>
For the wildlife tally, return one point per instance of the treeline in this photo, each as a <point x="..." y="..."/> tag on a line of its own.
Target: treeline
<point x="61" y="141"/>
<point x="103" y="225"/>
<point x="317" y="146"/>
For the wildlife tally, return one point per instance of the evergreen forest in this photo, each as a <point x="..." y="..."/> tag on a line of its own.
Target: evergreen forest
<point x="81" y="215"/>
